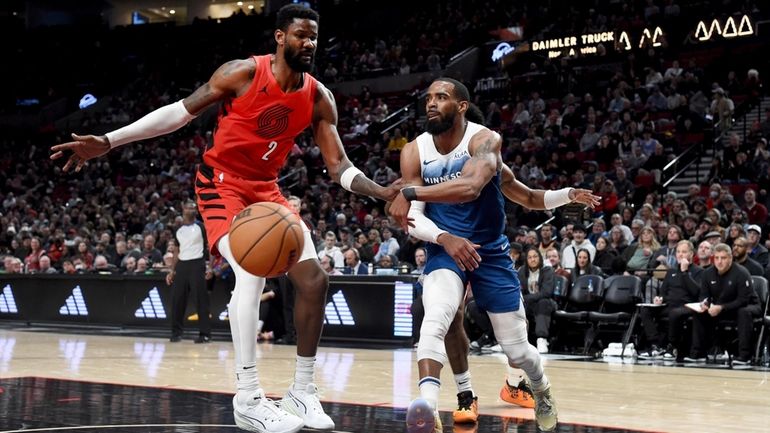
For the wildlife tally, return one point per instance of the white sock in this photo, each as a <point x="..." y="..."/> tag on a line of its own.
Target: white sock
<point x="463" y="381"/>
<point x="304" y="372"/>
<point x="514" y="376"/>
<point x="429" y="389"/>
<point x="247" y="381"/>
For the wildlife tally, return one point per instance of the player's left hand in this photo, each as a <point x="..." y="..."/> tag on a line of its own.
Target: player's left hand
<point x="83" y="148"/>
<point x="586" y="197"/>
<point x="399" y="210"/>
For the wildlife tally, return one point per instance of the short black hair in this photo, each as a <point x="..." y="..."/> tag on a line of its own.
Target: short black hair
<point x="288" y="13"/>
<point x="461" y="92"/>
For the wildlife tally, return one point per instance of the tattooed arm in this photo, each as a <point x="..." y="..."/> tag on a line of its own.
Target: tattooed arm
<point x="231" y="79"/>
<point x="337" y="162"/>
<point x="485" y="161"/>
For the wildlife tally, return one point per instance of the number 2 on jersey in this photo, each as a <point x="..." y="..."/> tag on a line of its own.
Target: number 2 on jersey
<point x="272" y="146"/>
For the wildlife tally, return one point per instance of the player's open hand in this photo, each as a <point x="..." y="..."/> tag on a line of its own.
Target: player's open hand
<point x="586" y="197"/>
<point x="461" y="250"/>
<point x="399" y="210"/>
<point x="83" y="148"/>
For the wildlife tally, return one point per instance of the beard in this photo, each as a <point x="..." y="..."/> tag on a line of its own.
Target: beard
<point x="293" y="58"/>
<point x="440" y="125"/>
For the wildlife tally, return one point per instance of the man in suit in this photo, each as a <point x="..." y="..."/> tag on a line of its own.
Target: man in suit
<point x="353" y="265"/>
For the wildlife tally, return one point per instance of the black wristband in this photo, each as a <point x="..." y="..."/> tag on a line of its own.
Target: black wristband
<point x="410" y="193"/>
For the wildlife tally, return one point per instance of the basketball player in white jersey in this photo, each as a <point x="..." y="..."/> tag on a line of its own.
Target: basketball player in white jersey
<point x="460" y="210"/>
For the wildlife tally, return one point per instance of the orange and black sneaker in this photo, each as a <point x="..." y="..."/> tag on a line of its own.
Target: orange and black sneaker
<point x="520" y="395"/>
<point x="467" y="408"/>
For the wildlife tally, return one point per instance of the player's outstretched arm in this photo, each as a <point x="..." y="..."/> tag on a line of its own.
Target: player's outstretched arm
<point x="340" y="168"/>
<point x="226" y="81"/>
<point x="538" y="199"/>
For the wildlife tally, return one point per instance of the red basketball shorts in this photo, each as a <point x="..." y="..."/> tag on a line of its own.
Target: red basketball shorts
<point x="222" y="196"/>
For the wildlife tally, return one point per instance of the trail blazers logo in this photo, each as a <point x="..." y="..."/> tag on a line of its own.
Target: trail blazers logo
<point x="274" y="121"/>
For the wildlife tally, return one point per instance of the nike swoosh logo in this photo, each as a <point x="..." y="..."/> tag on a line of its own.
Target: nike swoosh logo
<point x="427" y="162"/>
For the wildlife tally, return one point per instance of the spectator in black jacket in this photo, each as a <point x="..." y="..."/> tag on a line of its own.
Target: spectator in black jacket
<point x="584" y="266"/>
<point x="727" y="293"/>
<point x="537" y="284"/>
<point x="741" y="257"/>
<point x="681" y="285"/>
<point x="605" y="254"/>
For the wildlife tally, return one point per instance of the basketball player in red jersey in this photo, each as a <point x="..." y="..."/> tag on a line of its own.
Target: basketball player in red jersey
<point x="266" y="102"/>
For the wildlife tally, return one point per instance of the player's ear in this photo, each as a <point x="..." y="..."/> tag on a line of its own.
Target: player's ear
<point x="280" y="37"/>
<point x="463" y="106"/>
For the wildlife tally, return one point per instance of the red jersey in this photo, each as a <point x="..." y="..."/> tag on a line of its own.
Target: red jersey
<point x="255" y="131"/>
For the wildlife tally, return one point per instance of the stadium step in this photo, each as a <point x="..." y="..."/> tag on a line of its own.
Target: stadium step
<point x="698" y="172"/>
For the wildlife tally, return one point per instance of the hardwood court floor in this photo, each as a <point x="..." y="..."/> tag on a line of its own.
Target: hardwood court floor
<point x="361" y="388"/>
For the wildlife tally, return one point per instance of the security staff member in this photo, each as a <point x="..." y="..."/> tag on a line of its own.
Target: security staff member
<point x="728" y="294"/>
<point x="188" y="273"/>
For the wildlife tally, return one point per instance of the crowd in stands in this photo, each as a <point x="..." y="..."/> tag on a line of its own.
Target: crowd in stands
<point x="612" y="133"/>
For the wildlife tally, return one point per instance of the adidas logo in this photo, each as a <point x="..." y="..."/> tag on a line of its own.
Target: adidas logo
<point x="75" y="305"/>
<point x="152" y="307"/>
<point x="338" y="312"/>
<point x="7" y="303"/>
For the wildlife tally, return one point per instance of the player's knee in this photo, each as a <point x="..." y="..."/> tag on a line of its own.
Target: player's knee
<point x="431" y="347"/>
<point x="437" y="320"/>
<point x="318" y="283"/>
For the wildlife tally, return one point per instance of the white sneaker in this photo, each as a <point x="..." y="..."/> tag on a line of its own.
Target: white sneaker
<point x="542" y="345"/>
<point x="305" y="404"/>
<point x="262" y="415"/>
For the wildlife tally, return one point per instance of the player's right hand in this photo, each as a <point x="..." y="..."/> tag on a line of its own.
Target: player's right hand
<point x="461" y="250"/>
<point x="83" y="148"/>
<point x="170" y="278"/>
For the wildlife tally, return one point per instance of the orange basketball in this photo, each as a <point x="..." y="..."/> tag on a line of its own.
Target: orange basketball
<point x="266" y="239"/>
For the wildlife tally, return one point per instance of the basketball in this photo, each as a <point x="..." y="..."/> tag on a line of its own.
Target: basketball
<point x="266" y="239"/>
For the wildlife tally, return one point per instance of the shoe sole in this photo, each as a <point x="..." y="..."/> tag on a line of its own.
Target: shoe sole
<point x="245" y="424"/>
<point x="420" y="417"/>
<point x="465" y="419"/>
<point x="527" y="405"/>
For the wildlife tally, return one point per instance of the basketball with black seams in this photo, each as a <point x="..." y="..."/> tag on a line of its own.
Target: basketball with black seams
<point x="266" y="239"/>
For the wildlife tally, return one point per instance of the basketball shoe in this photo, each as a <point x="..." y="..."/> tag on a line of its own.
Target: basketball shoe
<point x="306" y="405"/>
<point x="260" y="414"/>
<point x="422" y="418"/>
<point x="545" y="410"/>
<point x="520" y="395"/>
<point x="467" y="408"/>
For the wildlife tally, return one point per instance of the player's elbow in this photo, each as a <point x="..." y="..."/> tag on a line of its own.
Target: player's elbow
<point x="334" y="170"/>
